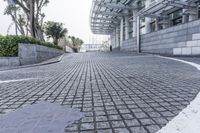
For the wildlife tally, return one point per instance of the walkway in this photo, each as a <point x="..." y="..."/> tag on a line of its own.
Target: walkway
<point x="118" y="92"/>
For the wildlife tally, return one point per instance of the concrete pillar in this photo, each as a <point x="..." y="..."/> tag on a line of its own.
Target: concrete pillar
<point x="134" y="24"/>
<point x="127" y="27"/>
<point x="185" y="17"/>
<point x="147" y="19"/>
<point x="117" y="37"/>
<point x="165" y="23"/>
<point x="147" y="25"/>
<point x="192" y="17"/>
<point x="193" y="13"/>
<point x="138" y="34"/>
<point x="113" y="40"/>
<point x="121" y="32"/>
<point x="156" y="25"/>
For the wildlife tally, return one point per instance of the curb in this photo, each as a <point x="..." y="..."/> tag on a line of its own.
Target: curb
<point x="38" y="64"/>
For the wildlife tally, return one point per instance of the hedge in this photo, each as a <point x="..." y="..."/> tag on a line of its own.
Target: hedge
<point x="9" y="44"/>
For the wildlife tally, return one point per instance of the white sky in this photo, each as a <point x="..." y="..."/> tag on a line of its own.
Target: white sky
<point x="73" y="13"/>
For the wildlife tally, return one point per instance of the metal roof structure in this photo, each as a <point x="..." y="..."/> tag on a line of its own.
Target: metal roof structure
<point x="105" y="14"/>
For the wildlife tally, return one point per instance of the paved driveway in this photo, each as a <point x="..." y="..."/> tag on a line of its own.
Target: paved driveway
<point x="118" y="92"/>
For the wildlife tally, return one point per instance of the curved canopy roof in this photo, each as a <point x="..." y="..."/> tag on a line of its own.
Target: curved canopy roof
<point x="105" y="14"/>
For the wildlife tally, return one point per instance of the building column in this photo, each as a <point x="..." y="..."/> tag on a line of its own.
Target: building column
<point x="193" y="12"/>
<point x="111" y="40"/>
<point x="147" y="19"/>
<point x="192" y="16"/>
<point x="121" y="32"/>
<point x="185" y="17"/>
<point x="147" y="25"/>
<point x="156" y="25"/>
<point x="127" y="27"/>
<point x="114" y="39"/>
<point x="134" y="24"/>
<point x="165" y="23"/>
<point x="117" y="37"/>
<point x="138" y="34"/>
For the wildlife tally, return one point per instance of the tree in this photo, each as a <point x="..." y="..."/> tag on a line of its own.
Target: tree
<point x="28" y="17"/>
<point x="76" y="43"/>
<point x="55" y="31"/>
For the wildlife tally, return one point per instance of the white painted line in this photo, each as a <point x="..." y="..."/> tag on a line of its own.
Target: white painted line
<point x="188" y="120"/>
<point x="17" y="80"/>
<point x="186" y="62"/>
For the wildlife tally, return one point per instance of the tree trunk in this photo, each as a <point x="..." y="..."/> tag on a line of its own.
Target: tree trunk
<point x="55" y="41"/>
<point x="32" y="18"/>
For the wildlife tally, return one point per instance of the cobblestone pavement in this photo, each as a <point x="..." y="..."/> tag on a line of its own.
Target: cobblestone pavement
<point x="190" y="59"/>
<point x="118" y="92"/>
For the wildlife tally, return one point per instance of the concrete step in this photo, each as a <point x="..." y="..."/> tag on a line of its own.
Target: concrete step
<point x="194" y="43"/>
<point x="196" y="36"/>
<point x="187" y="51"/>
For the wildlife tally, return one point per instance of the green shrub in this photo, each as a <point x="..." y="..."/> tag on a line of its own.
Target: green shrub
<point x="9" y="44"/>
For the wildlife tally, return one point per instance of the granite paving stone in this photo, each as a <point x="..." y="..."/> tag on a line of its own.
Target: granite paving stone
<point x="116" y="92"/>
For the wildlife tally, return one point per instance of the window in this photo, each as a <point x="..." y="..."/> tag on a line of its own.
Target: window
<point x="140" y="4"/>
<point x="176" y="17"/>
<point x="198" y="10"/>
<point x="153" y="26"/>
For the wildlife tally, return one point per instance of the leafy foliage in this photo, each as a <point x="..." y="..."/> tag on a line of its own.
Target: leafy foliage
<point x="55" y="31"/>
<point x="76" y="43"/>
<point x="9" y="44"/>
<point x="28" y="16"/>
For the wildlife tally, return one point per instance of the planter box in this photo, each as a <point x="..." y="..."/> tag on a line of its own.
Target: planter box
<point x="30" y="54"/>
<point x="9" y="61"/>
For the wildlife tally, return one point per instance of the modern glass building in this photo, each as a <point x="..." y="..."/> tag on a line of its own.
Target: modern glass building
<point x="131" y="24"/>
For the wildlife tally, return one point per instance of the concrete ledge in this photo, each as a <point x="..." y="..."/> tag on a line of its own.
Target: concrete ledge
<point x="33" y="53"/>
<point x="182" y="39"/>
<point x="193" y="43"/>
<point x="9" y="61"/>
<point x="196" y="36"/>
<point x="186" y="51"/>
<point x="177" y="51"/>
<point x="30" y="54"/>
<point x="190" y="51"/>
<point x="47" y="62"/>
<point x="195" y="50"/>
<point x="68" y="49"/>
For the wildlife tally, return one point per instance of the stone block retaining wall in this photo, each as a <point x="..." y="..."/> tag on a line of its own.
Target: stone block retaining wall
<point x="182" y="39"/>
<point x="30" y="54"/>
<point x="129" y="45"/>
<point x="9" y="61"/>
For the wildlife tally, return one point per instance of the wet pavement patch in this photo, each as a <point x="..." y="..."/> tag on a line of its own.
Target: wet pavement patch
<point x="43" y="117"/>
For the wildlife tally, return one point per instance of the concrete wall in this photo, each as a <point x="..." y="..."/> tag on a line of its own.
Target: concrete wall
<point x="129" y="45"/>
<point x="178" y="40"/>
<point x="68" y="49"/>
<point x="182" y="39"/>
<point x="9" y="61"/>
<point x="30" y="54"/>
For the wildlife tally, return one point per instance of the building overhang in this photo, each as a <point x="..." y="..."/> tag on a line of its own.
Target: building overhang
<point x="105" y="15"/>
